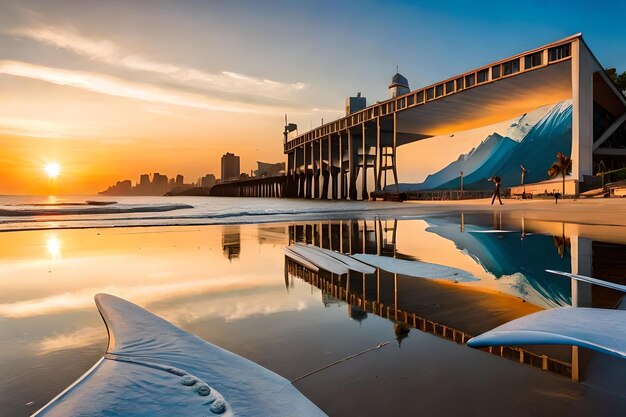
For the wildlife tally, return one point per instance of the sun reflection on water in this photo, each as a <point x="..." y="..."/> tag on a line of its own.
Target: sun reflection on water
<point x="53" y="244"/>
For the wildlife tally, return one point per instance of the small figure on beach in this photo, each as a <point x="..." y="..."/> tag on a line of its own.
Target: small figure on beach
<point x="496" y="192"/>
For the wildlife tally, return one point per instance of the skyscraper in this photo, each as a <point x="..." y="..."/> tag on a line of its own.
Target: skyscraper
<point x="230" y="166"/>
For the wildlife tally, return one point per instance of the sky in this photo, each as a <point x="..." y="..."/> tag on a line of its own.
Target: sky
<point x="111" y="90"/>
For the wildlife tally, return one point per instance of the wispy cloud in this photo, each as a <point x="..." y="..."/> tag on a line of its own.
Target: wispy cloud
<point x="117" y="87"/>
<point x="32" y="127"/>
<point x="111" y="53"/>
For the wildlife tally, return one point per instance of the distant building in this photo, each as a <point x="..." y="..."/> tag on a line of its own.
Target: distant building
<point x="159" y="184"/>
<point x="230" y="167"/>
<point x="144" y="184"/>
<point x="269" y="170"/>
<point x="399" y="86"/>
<point x="123" y="187"/>
<point x="207" y="181"/>
<point x="355" y="104"/>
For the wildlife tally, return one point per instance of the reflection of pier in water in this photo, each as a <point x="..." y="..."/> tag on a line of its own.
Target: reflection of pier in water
<point x="338" y="287"/>
<point x="382" y="299"/>
<point x="349" y="236"/>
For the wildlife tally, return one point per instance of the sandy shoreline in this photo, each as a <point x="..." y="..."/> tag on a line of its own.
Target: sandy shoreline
<point x="605" y="211"/>
<point x="426" y="375"/>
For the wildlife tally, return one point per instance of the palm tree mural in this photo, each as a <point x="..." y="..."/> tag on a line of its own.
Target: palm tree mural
<point x="562" y="165"/>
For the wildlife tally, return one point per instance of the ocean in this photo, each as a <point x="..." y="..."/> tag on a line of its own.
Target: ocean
<point x="43" y="212"/>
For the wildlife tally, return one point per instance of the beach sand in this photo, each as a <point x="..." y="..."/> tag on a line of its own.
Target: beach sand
<point x="426" y="375"/>
<point x="429" y="375"/>
<point x="592" y="211"/>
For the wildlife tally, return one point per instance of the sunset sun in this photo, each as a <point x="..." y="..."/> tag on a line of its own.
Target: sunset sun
<point x="52" y="169"/>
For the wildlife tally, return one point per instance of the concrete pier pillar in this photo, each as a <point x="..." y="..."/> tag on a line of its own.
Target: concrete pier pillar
<point x="309" y="183"/>
<point x="325" y="179"/>
<point x="351" y="167"/>
<point x="364" y="193"/>
<point x="302" y="180"/>
<point x="329" y="165"/>
<point x="334" y="174"/>
<point x="316" y="163"/>
<point x="342" y="173"/>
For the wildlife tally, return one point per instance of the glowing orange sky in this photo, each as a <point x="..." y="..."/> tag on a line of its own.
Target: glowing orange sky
<point x="110" y="93"/>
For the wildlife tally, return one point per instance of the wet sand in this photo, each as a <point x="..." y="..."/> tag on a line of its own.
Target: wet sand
<point x="429" y="375"/>
<point x="426" y="375"/>
<point x="457" y="381"/>
<point x="592" y="211"/>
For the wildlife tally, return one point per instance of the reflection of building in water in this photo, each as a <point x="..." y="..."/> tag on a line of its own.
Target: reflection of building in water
<point x="231" y="242"/>
<point x="516" y="253"/>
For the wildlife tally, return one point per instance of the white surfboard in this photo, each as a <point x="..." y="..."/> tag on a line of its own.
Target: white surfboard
<point x="599" y="329"/>
<point x="153" y="368"/>
<point x="590" y="280"/>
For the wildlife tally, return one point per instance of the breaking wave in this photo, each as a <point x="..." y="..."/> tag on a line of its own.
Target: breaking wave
<point x="16" y="214"/>
<point x="79" y="208"/>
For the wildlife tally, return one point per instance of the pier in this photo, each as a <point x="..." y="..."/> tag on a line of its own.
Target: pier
<point x="357" y="155"/>
<point x="279" y="186"/>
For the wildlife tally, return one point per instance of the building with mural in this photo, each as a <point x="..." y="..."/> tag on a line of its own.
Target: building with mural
<point x="506" y="118"/>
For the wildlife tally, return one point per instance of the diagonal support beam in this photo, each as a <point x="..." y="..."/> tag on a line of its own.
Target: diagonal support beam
<point x="608" y="132"/>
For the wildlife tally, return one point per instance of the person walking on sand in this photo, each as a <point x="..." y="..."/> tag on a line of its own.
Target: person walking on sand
<point x="496" y="193"/>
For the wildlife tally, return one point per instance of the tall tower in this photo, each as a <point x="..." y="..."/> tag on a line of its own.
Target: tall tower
<point x="399" y="85"/>
<point x="230" y="166"/>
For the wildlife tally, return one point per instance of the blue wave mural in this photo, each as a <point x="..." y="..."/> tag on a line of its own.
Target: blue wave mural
<point x="500" y="155"/>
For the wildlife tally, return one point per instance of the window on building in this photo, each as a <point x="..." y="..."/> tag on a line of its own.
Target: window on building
<point x="495" y="72"/>
<point x="410" y="100"/>
<point x="439" y="90"/>
<point x="430" y="93"/>
<point x="532" y="60"/>
<point x="510" y="67"/>
<point x="459" y="84"/>
<point x="483" y="75"/>
<point x="420" y="96"/>
<point x="470" y="80"/>
<point x="559" y="52"/>
<point x="450" y="87"/>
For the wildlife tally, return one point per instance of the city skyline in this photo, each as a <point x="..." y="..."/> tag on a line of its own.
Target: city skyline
<point x="107" y="94"/>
